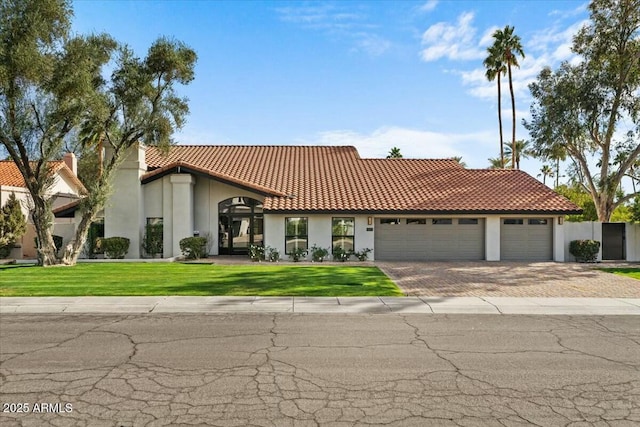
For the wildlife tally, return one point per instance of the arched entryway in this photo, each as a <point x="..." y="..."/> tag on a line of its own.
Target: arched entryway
<point x="241" y="224"/>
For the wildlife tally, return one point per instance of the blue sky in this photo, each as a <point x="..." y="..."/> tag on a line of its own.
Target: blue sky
<point x="373" y="74"/>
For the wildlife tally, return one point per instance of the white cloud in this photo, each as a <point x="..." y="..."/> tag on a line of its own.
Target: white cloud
<point x="454" y="41"/>
<point x="428" y="6"/>
<point x="413" y="143"/>
<point x="338" y="22"/>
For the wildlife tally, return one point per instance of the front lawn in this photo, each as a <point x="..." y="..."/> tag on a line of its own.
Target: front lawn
<point x="634" y="273"/>
<point x="119" y="279"/>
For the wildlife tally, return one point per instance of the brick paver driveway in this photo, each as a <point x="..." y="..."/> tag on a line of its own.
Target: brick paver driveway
<point x="509" y="279"/>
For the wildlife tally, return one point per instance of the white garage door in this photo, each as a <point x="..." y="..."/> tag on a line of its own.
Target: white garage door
<point x="528" y="239"/>
<point x="429" y="239"/>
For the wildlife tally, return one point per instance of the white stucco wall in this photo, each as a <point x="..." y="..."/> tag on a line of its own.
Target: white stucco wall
<point x="319" y="231"/>
<point x="588" y="230"/>
<point x="558" y="240"/>
<point x="124" y="211"/>
<point x="633" y="242"/>
<point x="492" y="238"/>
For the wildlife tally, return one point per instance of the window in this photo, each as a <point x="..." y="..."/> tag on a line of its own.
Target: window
<point x="468" y="221"/>
<point x="393" y="221"/>
<point x="417" y="221"/>
<point x="513" y="221"/>
<point x="537" y="221"/>
<point x="442" y="221"/>
<point x="296" y="234"/>
<point x="343" y="233"/>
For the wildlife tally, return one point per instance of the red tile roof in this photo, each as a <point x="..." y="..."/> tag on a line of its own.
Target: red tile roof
<point x="10" y="174"/>
<point x="330" y="178"/>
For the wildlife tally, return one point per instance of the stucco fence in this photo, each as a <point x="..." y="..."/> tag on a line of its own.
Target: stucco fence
<point x="592" y="230"/>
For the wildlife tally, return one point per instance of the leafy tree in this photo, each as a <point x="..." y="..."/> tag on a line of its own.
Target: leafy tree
<point x="592" y="109"/>
<point x="507" y="47"/>
<point x="545" y="172"/>
<point x="580" y="197"/>
<point x="495" y="69"/>
<point x="497" y="163"/>
<point x="47" y="81"/>
<point x="394" y="153"/>
<point x="12" y="225"/>
<point x="138" y="105"/>
<point x="635" y="210"/>
<point x="51" y="88"/>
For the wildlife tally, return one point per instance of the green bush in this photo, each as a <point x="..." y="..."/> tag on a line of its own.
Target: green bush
<point x="152" y="242"/>
<point x="256" y="253"/>
<point x="584" y="250"/>
<point x="297" y="254"/>
<point x="341" y="255"/>
<point x="318" y="254"/>
<point x="12" y="225"/>
<point x="362" y="255"/>
<point x="193" y="247"/>
<point x="115" y="247"/>
<point x="272" y="254"/>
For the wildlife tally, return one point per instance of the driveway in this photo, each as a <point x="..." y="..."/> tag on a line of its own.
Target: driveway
<point x="509" y="279"/>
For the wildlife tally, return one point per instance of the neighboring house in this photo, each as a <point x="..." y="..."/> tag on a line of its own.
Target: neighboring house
<point x="66" y="189"/>
<point x="296" y="196"/>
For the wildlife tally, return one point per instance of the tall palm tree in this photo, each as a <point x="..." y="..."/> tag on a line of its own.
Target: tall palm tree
<point x="546" y="171"/>
<point x="510" y="47"/>
<point x="496" y="68"/>
<point x="497" y="163"/>
<point x="522" y="151"/>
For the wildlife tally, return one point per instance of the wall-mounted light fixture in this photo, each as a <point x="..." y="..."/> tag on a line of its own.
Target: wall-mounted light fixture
<point x="560" y="220"/>
<point x="370" y="220"/>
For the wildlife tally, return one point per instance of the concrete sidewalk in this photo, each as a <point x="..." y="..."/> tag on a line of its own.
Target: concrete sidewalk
<point x="426" y="305"/>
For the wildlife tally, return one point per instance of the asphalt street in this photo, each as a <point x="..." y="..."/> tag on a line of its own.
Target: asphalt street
<point x="289" y="369"/>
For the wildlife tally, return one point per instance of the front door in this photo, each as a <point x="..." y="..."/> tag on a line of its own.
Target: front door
<point x="613" y="241"/>
<point x="240" y="225"/>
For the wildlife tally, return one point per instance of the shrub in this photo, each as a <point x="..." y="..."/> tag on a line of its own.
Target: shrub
<point x="340" y="254"/>
<point x="256" y="253"/>
<point x="297" y="254"/>
<point x="12" y="225"/>
<point x="584" y="250"/>
<point x="152" y="242"/>
<point x="272" y="254"/>
<point x="318" y="254"/>
<point x="362" y="255"/>
<point x="115" y="247"/>
<point x="193" y="247"/>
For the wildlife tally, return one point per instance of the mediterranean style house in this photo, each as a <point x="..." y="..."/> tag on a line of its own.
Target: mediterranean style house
<point x="66" y="190"/>
<point x="289" y="197"/>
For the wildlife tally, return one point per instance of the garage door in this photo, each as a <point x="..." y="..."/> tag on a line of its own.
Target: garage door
<point x="528" y="239"/>
<point x="424" y="239"/>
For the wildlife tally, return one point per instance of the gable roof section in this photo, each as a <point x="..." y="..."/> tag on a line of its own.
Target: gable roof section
<point x="336" y="179"/>
<point x="10" y="174"/>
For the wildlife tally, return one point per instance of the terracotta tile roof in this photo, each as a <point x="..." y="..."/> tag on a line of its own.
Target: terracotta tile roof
<point x="10" y="174"/>
<point x="330" y="178"/>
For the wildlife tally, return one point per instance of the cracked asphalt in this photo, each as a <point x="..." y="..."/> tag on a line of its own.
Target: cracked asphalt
<point x="285" y="369"/>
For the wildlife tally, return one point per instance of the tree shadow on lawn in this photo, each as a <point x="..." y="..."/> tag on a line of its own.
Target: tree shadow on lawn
<point x="308" y="282"/>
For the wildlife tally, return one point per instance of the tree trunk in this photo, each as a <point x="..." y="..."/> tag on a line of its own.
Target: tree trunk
<point x="500" y="122"/>
<point x="43" y="222"/>
<point x="557" y="172"/>
<point x="74" y="248"/>
<point x="513" y="123"/>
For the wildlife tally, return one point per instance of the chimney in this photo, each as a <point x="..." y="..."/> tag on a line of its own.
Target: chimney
<point x="71" y="161"/>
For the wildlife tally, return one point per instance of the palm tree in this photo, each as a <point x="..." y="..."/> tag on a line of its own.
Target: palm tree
<point x="495" y="68"/>
<point x="394" y="153"/>
<point x="509" y="46"/>
<point x="497" y="163"/>
<point x="547" y="171"/>
<point x="522" y="151"/>
<point x="459" y="160"/>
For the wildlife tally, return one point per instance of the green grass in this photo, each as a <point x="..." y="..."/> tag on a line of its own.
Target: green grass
<point x="634" y="273"/>
<point x="102" y="279"/>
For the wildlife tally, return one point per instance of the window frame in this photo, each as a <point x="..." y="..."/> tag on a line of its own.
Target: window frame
<point x="343" y="236"/>
<point x="442" y="221"/>
<point x="298" y="236"/>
